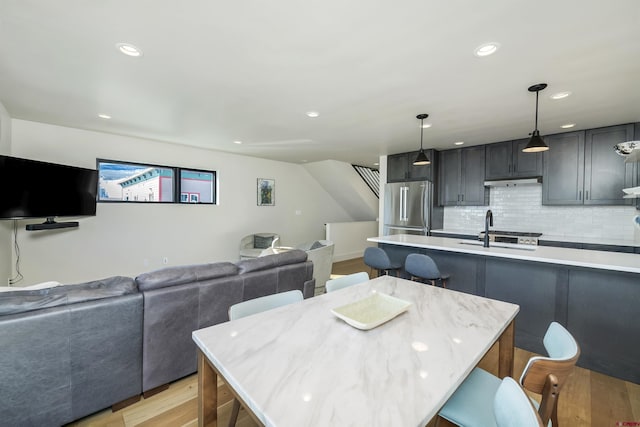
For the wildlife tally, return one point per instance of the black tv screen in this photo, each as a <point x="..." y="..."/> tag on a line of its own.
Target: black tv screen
<point x="34" y="189"/>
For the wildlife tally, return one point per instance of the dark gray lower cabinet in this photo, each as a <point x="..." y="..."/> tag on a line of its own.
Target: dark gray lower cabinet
<point x="599" y="307"/>
<point x="602" y="314"/>
<point x="534" y="288"/>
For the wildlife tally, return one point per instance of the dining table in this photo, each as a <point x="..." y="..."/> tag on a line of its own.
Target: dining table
<point x="388" y="351"/>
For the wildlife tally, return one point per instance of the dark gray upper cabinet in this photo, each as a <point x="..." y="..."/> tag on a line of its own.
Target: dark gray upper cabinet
<point x="506" y="160"/>
<point x="461" y="177"/>
<point x="583" y="168"/>
<point x="449" y="178"/>
<point x="563" y="175"/>
<point x="605" y="172"/>
<point x="400" y="167"/>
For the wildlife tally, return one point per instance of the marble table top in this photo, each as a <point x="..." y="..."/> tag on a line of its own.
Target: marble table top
<point x="300" y="365"/>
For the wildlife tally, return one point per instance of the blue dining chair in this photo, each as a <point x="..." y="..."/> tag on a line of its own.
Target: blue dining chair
<point x="470" y="405"/>
<point x="258" y="305"/>
<point x="512" y="407"/>
<point x="376" y="258"/>
<point x="348" y="280"/>
<point x="423" y="268"/>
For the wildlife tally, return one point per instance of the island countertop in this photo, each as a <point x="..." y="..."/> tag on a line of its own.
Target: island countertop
<point x="614" y="261"/>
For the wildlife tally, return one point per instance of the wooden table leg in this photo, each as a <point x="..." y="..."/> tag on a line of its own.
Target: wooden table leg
<point x="506" y="352"/>
<point x="207" y="393"/>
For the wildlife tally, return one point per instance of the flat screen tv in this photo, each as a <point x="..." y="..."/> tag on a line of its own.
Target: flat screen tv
<point x="34" y="189"/>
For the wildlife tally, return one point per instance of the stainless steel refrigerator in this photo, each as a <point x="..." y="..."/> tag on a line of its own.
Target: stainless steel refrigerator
<point x="409" y="208"/>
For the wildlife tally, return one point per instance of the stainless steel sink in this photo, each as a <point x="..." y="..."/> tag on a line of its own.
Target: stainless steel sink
<point x="501" y="245"/>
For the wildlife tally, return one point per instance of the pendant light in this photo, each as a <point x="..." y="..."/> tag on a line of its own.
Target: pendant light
<point x="536" y="144"/>
<point x="421" y="158"/>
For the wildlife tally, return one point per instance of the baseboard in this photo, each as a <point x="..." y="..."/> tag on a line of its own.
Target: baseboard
<point x="348" y="255"/>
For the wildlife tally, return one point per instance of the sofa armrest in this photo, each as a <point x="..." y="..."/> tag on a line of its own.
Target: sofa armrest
<point x="309" y="288"/>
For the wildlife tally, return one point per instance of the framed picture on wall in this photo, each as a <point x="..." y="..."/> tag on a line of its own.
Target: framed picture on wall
<point x="266" y="192"/>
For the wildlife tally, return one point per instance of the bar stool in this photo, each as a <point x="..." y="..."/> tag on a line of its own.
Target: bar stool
<point x="422" y="268"/>
<point x="378" y="259"/>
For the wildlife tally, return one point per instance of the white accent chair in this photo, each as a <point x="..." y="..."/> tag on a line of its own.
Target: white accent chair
<point x="345" y="281"/>
<point x="252" y="245"/>
<point x="320" y="252"/>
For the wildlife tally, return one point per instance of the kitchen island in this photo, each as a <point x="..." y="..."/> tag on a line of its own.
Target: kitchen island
<point x="595" y="294"/>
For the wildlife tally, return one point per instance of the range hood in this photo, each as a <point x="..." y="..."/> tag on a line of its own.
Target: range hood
<point x="513" y="182"/>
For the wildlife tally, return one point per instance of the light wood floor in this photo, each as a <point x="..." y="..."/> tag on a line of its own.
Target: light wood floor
<point x="588" y="399"/>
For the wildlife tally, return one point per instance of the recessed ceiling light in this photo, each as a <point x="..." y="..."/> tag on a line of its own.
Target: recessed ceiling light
<point x="568" y="126"/>
<point x="104" y="116"/>
<point x="458" y="143"/>
<point x="237" y="142"/>
<point x="129" y="49"/>
<point x="486" y="49"/>
<point x="313" y="113"/>
<point x="426" y="125"/>
<point x="560" y="95"/>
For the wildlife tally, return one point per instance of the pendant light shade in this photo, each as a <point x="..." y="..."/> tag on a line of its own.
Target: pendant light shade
<point x="536" y="144"/>
<point x="421" y="158"/>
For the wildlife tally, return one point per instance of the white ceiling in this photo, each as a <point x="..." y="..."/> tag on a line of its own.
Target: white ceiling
<point x="215" y="71"/>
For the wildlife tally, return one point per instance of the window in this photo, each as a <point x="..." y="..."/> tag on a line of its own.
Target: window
<point x="149" y="183"/>
<point x="197" y="186"/>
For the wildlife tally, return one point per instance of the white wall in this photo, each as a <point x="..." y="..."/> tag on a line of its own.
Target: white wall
<point x="349" y="189"/>
<point x="520" y="209"/>
<point x="350" y="238"/>
<point x="5" y="130"/>
<point x="128" y="239"/>
<point x="5" y="226"/>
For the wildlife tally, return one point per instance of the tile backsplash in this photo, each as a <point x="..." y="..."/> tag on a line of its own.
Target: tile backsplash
<point x="520" y="209"/>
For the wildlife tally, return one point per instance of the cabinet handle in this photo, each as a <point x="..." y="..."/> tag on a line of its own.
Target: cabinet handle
<point x="462" y="197"/>
<point x="586" y="195"/>
<point x="580" y="195"/>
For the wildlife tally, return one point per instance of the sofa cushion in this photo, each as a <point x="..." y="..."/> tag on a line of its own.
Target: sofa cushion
<point x="271" y="261"/>
<point x="21" y="301"/>
<point x="262" y="242"/>
<point x="179" y="275"/>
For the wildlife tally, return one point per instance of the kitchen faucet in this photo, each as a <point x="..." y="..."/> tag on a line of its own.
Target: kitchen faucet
<point x="488" y="221"/>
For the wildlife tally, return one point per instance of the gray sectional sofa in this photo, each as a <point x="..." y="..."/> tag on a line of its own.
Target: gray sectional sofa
<point x="69" y="351"/>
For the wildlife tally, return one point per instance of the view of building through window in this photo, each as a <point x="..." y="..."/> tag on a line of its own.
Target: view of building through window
<point x="135" y="182"/>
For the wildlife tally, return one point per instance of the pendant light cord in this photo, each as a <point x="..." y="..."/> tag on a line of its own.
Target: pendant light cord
<point x="537" y="92"/>
<point x="422" y="130"/>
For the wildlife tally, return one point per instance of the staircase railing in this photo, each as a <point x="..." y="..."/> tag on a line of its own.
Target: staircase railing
<point x="371" y="177"/>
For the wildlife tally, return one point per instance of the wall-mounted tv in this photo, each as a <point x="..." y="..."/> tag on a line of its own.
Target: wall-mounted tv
<point x="34" y="189"/>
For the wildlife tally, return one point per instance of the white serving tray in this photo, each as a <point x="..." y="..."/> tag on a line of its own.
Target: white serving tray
<point x="371" y="311"/>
